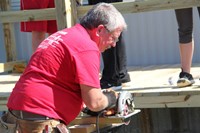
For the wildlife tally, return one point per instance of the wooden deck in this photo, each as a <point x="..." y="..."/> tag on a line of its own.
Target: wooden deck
<point x="149" y="85"/>
<point x="152" y="89"/>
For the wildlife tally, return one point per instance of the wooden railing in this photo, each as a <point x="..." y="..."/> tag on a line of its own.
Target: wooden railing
<point x="66" y="13"/>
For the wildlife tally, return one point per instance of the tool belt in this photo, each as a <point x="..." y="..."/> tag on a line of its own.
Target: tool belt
<point x="25" y="122"/>
<point x="27" y="115"/>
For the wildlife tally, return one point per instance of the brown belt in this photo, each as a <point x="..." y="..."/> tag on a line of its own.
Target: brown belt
<point x="28" y="116"/>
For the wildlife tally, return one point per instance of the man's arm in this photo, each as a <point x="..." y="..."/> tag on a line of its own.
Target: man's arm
<point x="94" y="99"/>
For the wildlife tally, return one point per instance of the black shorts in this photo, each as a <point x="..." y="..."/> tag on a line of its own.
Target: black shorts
<point x="185" y="24"/>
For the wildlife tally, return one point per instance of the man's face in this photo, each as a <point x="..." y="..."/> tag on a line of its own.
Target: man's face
<point x="108" y="39"/>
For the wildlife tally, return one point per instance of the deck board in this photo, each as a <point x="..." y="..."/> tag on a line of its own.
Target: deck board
<point x="149" y="85"/>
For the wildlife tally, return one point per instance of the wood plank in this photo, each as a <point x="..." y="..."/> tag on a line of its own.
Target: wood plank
<point x="91" y="128"/>
<point x="7" y="83"/>
<point x="146" y="6"/>
<point x="8" y="66"/>
<point x="9" y="37"/>
<point x="3" y="102"/>
<point x="9" y="41"/>
<point x="104" y="120"/>
<point x="3" y="107"/>
<point x="149" y="85"/>
<point x="71" y="12"/>
<point x="167" y="101"/>
<point x="82" y="128"/>
<point x="66" y="14"/>
<point x="123" y="7"/>
<point x="92" y="120"/>
<point x="60" y="14"/>
<point x="28" y="15"/>
<point x="87" y="124"/>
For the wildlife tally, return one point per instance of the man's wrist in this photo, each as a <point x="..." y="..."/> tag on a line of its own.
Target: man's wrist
<point x="111" y="97"/>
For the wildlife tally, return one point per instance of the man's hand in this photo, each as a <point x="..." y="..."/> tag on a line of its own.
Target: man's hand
<point x="111" y="90"/>
<point x="111" y="109"/>
<point x="107" y="112"/>
<point x="112" y="97"/>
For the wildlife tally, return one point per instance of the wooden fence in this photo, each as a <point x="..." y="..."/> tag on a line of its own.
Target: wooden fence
<point x="66" y="13"/>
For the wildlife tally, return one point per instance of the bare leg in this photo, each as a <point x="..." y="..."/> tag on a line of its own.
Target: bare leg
<point x="186" y="54"/>
<point x="37" y="38"/>
<point x="186" y="47"/>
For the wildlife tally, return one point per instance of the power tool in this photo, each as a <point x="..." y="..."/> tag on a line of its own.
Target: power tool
<point x="125" y="103"/>
<point x="124" y="106"/>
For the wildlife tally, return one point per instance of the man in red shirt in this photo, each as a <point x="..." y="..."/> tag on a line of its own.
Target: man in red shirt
<point x="63" y="73"/>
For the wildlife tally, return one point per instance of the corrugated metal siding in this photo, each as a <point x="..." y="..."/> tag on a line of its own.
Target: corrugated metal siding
<point x="15" y="4"/>
<point x="151" y="38"/>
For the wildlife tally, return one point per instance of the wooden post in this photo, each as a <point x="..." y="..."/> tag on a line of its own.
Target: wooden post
<point x="145" y="121"/>
<point x="9" y="37"/>
<point x="66" y="13"/>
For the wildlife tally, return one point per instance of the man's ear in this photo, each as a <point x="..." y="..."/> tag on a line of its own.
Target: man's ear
<point x="100" y="29"/>
<point x="97" y="32"/>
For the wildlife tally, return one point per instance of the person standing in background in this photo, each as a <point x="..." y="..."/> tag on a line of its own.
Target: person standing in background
<point x="115" y="71"/>
<point x="38" y="28"/>
<point x="186" y="46"/>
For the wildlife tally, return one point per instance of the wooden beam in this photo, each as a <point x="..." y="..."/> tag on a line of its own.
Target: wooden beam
<point x="9" y="41"/>
<point x="155" y="5"/>
<point x="9" y="37"/>
<point x="27" y="15"/>
<point x="3" y="103"/>
<point x="65" y="13"/>
<point x="123" y="7"/>
<point x="145" y="118"/>
<point x="8" y="66"/>
<point x="74" y="15"/>
<point x="167" y="101"/>
<point x="86" y="124"/>
<point x="60" y="14"/>
<point x="82" y="128"/>
<point x="104" y="120"/>
<point x="146" y="5"/>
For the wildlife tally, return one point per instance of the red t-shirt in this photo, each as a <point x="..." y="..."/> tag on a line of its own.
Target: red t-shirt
<point x="50" y="85"/>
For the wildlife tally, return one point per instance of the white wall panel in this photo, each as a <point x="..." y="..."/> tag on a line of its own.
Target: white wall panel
<point x="152" y="38"/>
